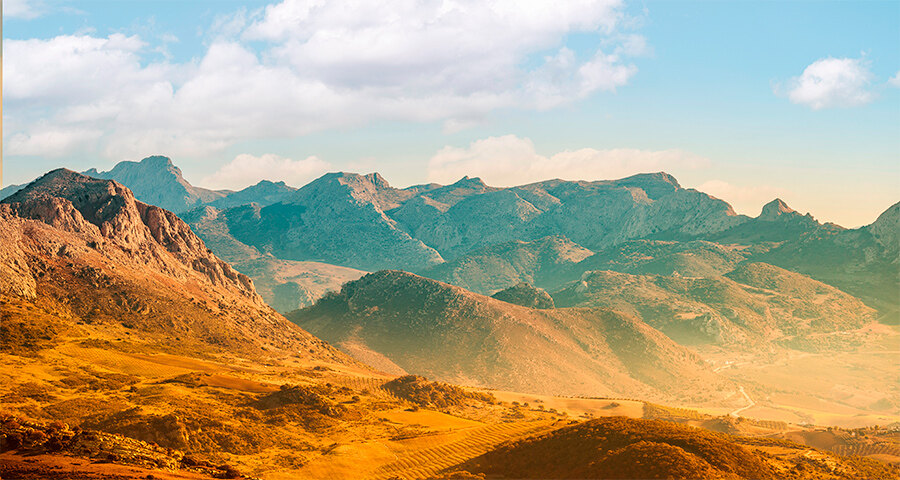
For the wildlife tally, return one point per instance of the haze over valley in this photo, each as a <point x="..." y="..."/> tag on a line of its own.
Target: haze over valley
<point x="450" y="240"/>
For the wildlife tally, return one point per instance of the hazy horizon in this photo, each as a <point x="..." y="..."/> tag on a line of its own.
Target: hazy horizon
<point x="236" y="92"/>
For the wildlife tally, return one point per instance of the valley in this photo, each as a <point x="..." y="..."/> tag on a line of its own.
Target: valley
<point x="132" y="348"/>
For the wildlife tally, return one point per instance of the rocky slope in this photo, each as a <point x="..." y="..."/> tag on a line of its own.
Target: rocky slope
<point x="337" y="219"/>
<point x="454" y="335"/>
<point x="547" y="262"/>
<point x="285" y="285"/>
<point x="82" y="250"/>
<point x="864" y="262"/>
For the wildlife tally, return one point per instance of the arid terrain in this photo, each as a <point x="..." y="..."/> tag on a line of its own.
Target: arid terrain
<point x="130" y="350"/>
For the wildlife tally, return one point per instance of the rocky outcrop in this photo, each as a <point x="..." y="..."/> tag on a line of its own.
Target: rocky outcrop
<point x="525" y="295"/>
<point x="108" y="212"/>
<point x="78" y="254"/>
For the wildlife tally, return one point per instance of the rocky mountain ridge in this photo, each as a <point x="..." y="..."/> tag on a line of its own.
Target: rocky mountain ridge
<point x="79" y="253"/>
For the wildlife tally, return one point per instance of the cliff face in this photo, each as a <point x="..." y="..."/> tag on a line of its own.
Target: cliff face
<point x="106" y="210"/>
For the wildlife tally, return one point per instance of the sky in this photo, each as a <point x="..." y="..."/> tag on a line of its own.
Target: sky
<point x="746" y="101"/>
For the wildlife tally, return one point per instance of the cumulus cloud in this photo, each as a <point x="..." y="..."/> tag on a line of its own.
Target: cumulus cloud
<point x="299" y="67"/>
<point x="748" y="200"/>
<point x="511" y="160"/>
<point x="247" y="170"/>
<point x="832" y="82"/>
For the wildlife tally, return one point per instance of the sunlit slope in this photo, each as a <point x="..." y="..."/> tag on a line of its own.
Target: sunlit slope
<point x="753" y="304"/>
<point x="455" y="335"/>
<point x="622" y="448"/>
<point x="79" y="253"/>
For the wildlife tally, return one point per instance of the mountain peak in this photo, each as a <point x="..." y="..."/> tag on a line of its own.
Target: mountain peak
<point x="470" y="182"/>
<point x="775" y="209"/>
<point x="63" y="182"/>
<point x="108" y="211"/>
<point x="160" y="164"/>
<point x="655" y="185"/>
<point x="377" y="180"/>
<point x="158" y="161"/>
<point x="157" y="181"/>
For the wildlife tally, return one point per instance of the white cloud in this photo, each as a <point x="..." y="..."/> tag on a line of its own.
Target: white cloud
<point x="246" y="170"/>
<point x="296" y="68"/>
<point x="51" y="141"/>
<point x="511" y="160"/>
<point x="748" y="200"/>
<point x="895" y="80"/>
<point x="832" y="82"/>
<point x="25" y="9"/>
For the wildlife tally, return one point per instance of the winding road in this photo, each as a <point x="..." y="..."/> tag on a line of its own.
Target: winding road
<point x="737" y="413"/>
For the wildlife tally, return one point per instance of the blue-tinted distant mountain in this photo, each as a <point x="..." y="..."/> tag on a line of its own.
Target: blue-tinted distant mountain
<point x="776" y="223"/>
<point x="592" y="214"/>
<point x="547" y="263"/>
<point x="263" y="193"/>
<point x="285" y="285"/>
<point x="157" y="181"/>
<point x="339" y="219"/>
<point x="864" y="261"/>
<point x="9" y="190"/>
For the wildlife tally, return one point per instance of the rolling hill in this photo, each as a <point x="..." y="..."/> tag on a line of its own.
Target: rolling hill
<point x="624" y="448"/>
<point x="752" y="305"/>
<point x="454" y="335"/>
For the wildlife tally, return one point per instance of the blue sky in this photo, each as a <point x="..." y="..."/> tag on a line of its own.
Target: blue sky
<point x="744" y="100"/>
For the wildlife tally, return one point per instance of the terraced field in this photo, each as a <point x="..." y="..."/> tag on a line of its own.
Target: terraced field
<point x="425" y="462"/>
<point x="373" y="385"/>
<point x="886" y="452"/>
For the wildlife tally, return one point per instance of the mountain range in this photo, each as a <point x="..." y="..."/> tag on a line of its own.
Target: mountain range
<point x="487" y="238"/>
<point x="126" y="339"/>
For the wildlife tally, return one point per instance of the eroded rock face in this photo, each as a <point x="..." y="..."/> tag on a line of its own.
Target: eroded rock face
<point x="77" y="252"/>
<point x="108" y="212"/>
